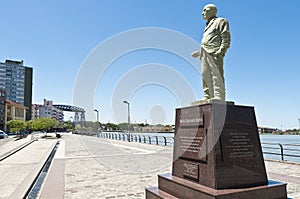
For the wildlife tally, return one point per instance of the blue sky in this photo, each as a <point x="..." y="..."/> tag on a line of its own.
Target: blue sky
<point x="57" y="37"/>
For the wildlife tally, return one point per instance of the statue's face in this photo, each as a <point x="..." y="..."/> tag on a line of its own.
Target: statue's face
<point x="208" y="13"/>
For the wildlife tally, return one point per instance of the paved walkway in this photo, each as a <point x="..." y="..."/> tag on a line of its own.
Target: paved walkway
<point x="9" y="144"/>
<point x="19" y="170"/>
<point x="100" y="168"/>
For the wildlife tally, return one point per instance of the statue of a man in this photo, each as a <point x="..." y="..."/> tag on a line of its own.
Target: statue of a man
<point x="215" y="42"/>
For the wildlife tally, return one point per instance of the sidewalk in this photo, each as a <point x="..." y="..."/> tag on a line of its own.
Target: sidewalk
<point x="101" y="168"/>
<point x="11" y="144"/>
<point x="19" y="170"/>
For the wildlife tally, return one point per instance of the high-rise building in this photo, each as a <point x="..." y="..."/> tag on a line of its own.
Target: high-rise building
<point x="2" y="109"/>
<point x="16" y="79"/>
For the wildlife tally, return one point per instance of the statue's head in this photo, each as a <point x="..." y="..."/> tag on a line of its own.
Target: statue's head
<point x="209" y="11"/>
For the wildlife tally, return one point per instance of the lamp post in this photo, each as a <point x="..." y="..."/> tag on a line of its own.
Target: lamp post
<point x="299" y="125"/>
<point x="97" y="114"/>
<point x="126" y="102"/>
<point x="73" y="125"/>
<point x="97" y="117"/>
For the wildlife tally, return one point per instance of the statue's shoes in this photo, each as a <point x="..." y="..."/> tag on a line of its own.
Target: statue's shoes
<point x="200" y="101"/>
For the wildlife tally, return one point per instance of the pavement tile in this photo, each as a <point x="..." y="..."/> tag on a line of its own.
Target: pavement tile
<point x="101" y="168"/>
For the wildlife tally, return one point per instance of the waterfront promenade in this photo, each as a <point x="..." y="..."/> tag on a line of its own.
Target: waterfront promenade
<point x="90" y="167"/>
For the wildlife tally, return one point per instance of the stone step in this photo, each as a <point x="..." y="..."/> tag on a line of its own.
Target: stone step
<point x="185" y="189"/>
<point x="155" y="193"/>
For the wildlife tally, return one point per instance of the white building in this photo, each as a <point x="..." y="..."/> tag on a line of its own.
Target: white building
<point x="47" y="110"/>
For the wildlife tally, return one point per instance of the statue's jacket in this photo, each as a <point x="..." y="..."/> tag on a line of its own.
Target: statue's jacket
<point x="216" y="36"/>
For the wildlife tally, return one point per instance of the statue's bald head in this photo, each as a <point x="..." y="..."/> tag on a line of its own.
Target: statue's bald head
<point x="212" y="7"/>
<point x="209" y="11"/>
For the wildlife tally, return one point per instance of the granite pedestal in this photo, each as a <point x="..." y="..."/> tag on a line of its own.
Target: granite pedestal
<point x="217" y="154"/>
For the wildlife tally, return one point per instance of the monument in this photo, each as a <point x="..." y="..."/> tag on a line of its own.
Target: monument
<point x="217" y="151"/>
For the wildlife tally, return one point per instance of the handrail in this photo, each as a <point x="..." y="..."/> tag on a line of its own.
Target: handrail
<point x="270" y="148"/>
<point x="284" y="148"/>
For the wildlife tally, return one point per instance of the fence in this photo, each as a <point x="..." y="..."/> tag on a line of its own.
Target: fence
<point x="283" y="152"/>
<point x="158" y="140"/>
<point x="288" y="152"/>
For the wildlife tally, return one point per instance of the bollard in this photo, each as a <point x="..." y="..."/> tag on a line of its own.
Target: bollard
<point x="156" y="138"/>
<point x="140" y="140"/>
<point x="281" y="149"/>
<point x="144" y="139"/>
<point x="165" y="140"/>
<point x="149" y="139"/>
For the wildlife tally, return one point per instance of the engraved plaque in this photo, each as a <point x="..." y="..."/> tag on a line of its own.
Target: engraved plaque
<point x="191" y="171"/>
<point x="192" y="144"/>
<point x="191" y="117"/>
<point x="238" y="144"/>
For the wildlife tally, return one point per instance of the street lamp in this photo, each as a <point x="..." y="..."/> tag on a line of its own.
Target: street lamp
<point x="299" y="124"/>
<point x="97" y="114"/>
<point x="73" y="124"/>
<point x="97" y="118"/>
<point x="126" y="102"/>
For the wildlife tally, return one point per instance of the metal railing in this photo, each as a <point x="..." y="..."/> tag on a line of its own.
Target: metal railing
<point x="158" y="140"/>
<point x="281" y="150"/>
<point x="272" y="150"/>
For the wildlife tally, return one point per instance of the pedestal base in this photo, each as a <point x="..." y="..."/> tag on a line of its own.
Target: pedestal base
<point x="217" y="155"/>
<point x="170" y="187"/>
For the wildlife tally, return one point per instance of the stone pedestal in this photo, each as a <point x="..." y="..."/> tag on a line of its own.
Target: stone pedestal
<point x="217" y="154"/>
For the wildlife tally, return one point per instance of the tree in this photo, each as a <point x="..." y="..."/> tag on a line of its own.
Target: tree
<point x="43" y="124"/>
<point x="16" y="125"/>
<point x="28" y="125"/>
<point x="111" y="126"/>
<point x="143" y="124"/>
<point x="68" y="125"/>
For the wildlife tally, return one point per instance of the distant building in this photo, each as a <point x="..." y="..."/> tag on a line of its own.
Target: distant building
<point x="16" y="79"/>
<point x="35" y="112"/>
<point x="47" y="110"/>
<point x="266" y="130"/>
<point x="14" y="111"/>
<point x="2" y="109"/>
<point x="157" y="128"/>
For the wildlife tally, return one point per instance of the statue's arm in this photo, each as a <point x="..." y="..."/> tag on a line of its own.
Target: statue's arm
<point x="225" y="36"/>
<point x="196" y="54"/>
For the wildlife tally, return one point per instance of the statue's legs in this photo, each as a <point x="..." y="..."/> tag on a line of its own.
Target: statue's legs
<point x="207" y="79"/>
<point x="213" y="76"/>
<point x="218" y="78"/>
